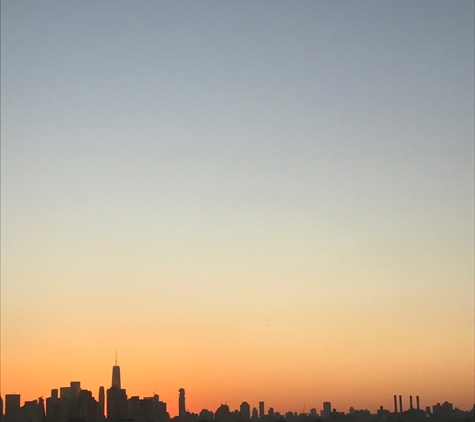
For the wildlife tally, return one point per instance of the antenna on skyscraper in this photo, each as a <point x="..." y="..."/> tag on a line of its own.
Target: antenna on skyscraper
<point x="115" y="357"/>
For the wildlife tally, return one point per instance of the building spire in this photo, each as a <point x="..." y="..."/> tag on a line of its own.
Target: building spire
<point x="116" y="357"/>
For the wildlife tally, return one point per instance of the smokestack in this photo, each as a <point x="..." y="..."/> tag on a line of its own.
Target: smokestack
<point x="417" y="402"/>
<point x="410" y="402"/>
<point x="400" y="404"/>
<point x="395" y="404"/>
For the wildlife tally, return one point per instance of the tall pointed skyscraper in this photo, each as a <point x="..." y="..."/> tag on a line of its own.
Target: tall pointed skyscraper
<point x="116" y="397"/>
<point x="102" y="402"/>
<point x="116" y="373"/>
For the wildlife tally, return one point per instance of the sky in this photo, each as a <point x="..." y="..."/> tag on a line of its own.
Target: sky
<point x="259" y="201"/>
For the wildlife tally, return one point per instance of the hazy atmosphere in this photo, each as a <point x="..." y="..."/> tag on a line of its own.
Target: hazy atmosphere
<point x="250" y="200"/>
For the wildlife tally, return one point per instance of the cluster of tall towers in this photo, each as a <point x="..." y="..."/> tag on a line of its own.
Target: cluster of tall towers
<point x="120" y="407"/>
<point x="74" y="403"/>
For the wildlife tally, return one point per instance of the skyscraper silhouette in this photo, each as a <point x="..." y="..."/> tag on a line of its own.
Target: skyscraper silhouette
<point x="181" y="404"/>
<point x="101" y="402"/>
<point x="116" y="404"/>
<point x="223" y="414"/>
<point x="245" y="411"/>
<point x="327" y="409"/>
<point x="116" y="374"/>
<point x="12" y="407"/>
<point x="116" y="396"/>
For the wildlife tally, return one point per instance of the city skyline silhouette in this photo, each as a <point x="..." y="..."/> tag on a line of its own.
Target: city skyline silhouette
<point x="79" y="405"/>
<point x="76" y="404"/>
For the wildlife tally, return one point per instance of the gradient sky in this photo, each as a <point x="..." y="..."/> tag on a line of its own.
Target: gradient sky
<point x="250" y="200"/>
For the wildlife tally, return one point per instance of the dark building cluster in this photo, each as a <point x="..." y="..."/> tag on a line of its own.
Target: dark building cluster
<point x="73" y="404"/>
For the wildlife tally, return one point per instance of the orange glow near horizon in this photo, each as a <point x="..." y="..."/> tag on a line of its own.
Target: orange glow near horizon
<point x="285" y="375"/>
<point x="358" y="357"/>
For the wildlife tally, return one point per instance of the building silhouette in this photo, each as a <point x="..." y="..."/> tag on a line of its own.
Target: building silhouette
<point x="262" y="412"/>
<point x="32" y="411"/>
<point x="12" y="407"/>
<point x="116" y="404"/>
<point x="181" y="405"/>
<point x="116" y="374"/>
<point x="102" y="402"/>
<point x="206" y="415"/>
<point x="116" y="397"/>
<point x="74" y="389"/>
<point x="53" y="407"/>
<point x="245" y="410"/>
<point x="223" y="414"/>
